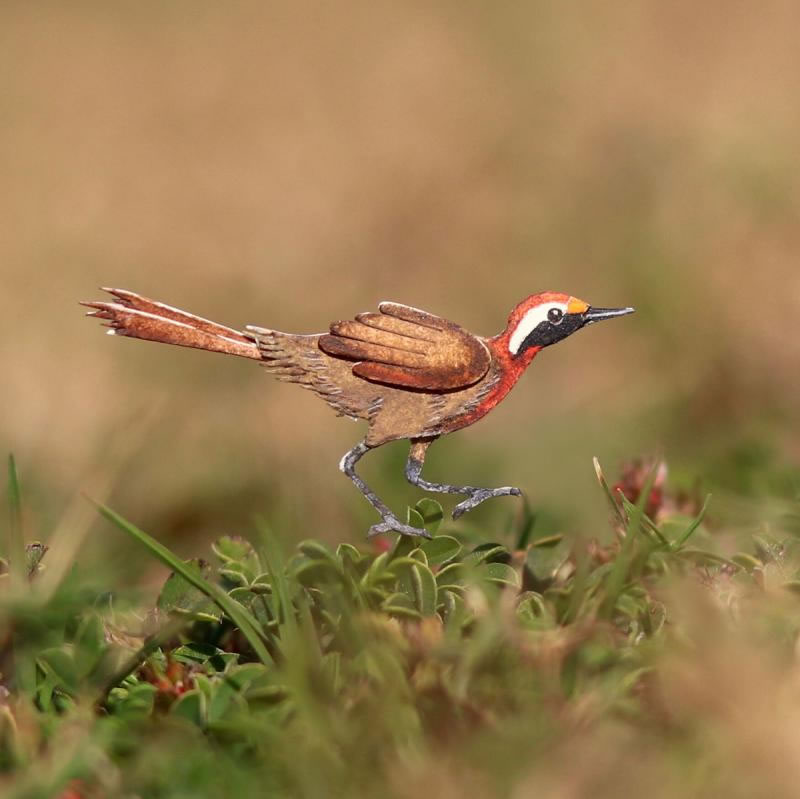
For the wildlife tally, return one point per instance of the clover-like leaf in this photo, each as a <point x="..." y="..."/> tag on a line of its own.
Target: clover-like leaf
<point x="544" y="560"/>
<point x="224" y="700"/>
<point x="201" y="654"/>
<point x="237" y="553"/>
<point x="59" y="666"/>
<point x="89" y="644"/>
<point x="499" y="573"/>
<point x="441" y="549"/>
<point x="234" y="577"/>
<point x="417" y="582"/>
<point x="431" y="513"/>
<point x="179" y="596"/>
<point x="533" y="613"/>
<point x="132" y="702"/>
<point x="191" y="706"/>
<point x="415" y="518"/>
<point x="425" y="589"/>
<point x="316" y="571"/>
<point x="487" y="553"/>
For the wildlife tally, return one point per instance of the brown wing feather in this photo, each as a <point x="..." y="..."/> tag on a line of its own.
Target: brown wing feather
<point x="403" y="346"/>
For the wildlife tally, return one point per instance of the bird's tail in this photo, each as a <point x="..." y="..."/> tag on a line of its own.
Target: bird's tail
<point x="138" y="317"/>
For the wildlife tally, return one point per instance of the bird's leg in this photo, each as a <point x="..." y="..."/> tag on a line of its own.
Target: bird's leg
<point x="475" y="495"/>
<point x="390" y="521"/>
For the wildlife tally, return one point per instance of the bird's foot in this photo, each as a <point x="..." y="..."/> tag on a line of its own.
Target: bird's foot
<point x="393" y="524"/>
<point x="481" y="495"/>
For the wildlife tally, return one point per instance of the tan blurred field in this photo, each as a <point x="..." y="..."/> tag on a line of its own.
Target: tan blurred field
<point x="290" y="164"/>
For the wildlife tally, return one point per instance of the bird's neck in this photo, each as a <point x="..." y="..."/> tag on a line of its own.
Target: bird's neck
<point x="511" y="365"/>
<point x="508" y="367"/>
<point x="506" y="370"/>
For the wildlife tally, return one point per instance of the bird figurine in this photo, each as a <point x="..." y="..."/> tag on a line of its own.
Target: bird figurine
<point x="408" y="373"/>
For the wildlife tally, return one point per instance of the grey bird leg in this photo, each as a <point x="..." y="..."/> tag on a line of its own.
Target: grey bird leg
<point x="475" y="495"/>
<point x="390" y="521"/>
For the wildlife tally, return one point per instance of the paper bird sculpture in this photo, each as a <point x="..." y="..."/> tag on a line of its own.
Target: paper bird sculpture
<point x="407" y="373"/>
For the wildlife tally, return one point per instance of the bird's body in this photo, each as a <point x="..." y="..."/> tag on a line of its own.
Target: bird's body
<point x="408" y="373"/>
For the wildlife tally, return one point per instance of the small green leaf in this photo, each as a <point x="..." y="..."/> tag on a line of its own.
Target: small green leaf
<point x="398" y="599"/>
<point x="131" y="703"/>
<point x="415" y="519"/>
<point x="454" y="611"/>
<point x="431" y="513"/>
<point x="417" y="582"/>
<point x="453" y="573"/>
<point x="233" y="609"/>
<point x="654" y="618"/>
<point x="316" y="550"/>
<point x="59" y="665"/>
<point x="180" y="596"/>
<point x="89" y="644"/>
<point x="499" y="573"/>
<point x="486" y="553"/>
<point x="548" y="541"/>
<point x="332" y="670"/>
<point x="424" y="585"/>
<point x="244" y="675"/>
<point x="403" y="612"/>
<point x="234" y="549"/>
<point x="630" y="606"/>
<point x="197" y="653"/>
<point x="348" y="555"/>
<point x="533" y="613"/>
<point x="441" y="549"/>
<point x="234" y="577"/>
<point x="313" y="572"/>
<point x="544" y="561"/>
<point x="376" y="568"/>
<point x="224" y="699"/>
<point x="192" y="707"/>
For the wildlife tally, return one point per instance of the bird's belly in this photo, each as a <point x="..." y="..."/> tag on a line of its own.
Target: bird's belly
<point x="485" y="396"/>
<point x="405" y="414"/>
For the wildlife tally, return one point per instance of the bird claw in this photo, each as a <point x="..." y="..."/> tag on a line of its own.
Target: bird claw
<point x="393" y="524"/>
<point x="481" y="495"/>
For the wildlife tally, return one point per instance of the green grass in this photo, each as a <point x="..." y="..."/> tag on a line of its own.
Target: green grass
<point x="515" y="664"/>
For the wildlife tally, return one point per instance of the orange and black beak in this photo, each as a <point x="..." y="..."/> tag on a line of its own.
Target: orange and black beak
<point x="591" y="314"/>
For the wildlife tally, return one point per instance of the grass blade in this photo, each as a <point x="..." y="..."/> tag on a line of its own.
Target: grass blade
<point x="692" y="527"/>
<point x="16" y="539"/>
<point x="24" y="661"/>
<point x="615" y="584"/>
<point x="231" y="607"/>
<point x="280" y="587"/>
<point x="647" y="523"/>
<point x="598" y="470"/>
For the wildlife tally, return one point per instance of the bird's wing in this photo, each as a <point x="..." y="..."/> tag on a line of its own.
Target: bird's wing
<point x="403" y="346"/>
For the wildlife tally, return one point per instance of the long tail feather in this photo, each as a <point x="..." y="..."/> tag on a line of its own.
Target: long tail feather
<point x="139" y="317"/>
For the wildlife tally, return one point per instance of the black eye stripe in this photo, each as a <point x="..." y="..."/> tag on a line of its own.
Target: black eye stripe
<point x="555" y="315"/>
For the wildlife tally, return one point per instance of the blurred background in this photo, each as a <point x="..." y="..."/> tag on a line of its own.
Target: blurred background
<point x="290" y="164"/>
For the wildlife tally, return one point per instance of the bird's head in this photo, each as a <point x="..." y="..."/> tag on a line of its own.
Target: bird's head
<point x="544" y="319"/>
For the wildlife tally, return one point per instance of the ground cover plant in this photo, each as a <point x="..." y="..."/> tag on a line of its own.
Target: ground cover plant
<point x="658" y="654"/>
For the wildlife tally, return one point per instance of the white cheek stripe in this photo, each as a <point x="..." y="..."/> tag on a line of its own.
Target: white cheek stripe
<point x="530" y="322"/>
